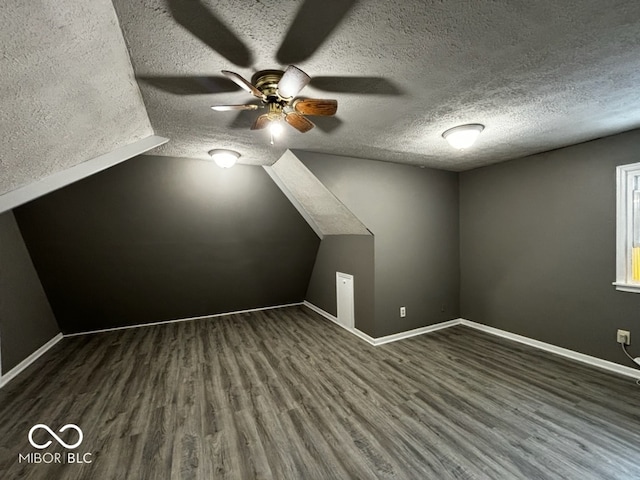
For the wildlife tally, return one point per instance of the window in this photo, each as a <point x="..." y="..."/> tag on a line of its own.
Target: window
<point x="628" y="228"/>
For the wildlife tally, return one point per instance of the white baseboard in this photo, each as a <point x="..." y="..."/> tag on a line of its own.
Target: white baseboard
<point x="334" y="319"/>
<point x="416" y="331"/>
<point x="324" y="313"/>
<point x="178" y="320"/>
<point x="564" y="352"/>
<point x="388" y="338"/>
<point x="11" y="374"/>
<point x="15" y="371"/>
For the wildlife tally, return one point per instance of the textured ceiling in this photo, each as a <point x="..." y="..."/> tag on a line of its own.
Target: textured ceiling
<point x="540" y="75"/>
<point x="67" y="88"/>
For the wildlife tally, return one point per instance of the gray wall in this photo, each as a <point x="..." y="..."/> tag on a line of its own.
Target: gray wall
<point x="161" y="238"/>
<point x="26" y="320"/>
<point x="538" y="247"/>
<point x="413" y="214"/>
<point x="352" y="254"/>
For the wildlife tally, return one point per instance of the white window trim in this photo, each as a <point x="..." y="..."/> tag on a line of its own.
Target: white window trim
<point x="625" y="176"/>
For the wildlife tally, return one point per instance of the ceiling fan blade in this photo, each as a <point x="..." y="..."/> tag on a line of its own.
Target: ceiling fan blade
<point x="299" y="122"/>
<point x="315" y="106"/>
<point x="362" y="85"/>
<point x="204" y="25"/>
<point x="242" y="83"/>
<point x="226" y="108"/>
<point x="261" y="122"/>
<point x="196" y="85"/>
<point x="292" y="82"/>
<point x="314" y="22"/>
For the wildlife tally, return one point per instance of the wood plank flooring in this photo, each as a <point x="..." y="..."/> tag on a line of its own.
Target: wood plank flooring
<point x="285" y="394"/>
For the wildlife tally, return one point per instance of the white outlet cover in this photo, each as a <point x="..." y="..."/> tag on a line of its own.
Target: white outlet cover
<point x="623" y="335"/>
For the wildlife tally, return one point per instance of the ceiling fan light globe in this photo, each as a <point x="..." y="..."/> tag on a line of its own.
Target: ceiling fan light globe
<point x="292" y="82"/>
<point x="276" y="128"/>
<point x="224" y="158"/>
<point x="463" y="136"/>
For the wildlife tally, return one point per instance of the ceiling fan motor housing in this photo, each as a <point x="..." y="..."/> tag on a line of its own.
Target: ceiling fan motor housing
<point x="267" y="82"/>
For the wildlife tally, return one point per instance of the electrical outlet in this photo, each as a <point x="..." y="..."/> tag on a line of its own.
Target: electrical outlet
<point x="624" y="337"/>
<point x="403" y="312"/>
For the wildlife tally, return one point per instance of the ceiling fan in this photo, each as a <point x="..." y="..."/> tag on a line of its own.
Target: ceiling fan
<point x="314" y="22"/>
<point x="277" y="91"/>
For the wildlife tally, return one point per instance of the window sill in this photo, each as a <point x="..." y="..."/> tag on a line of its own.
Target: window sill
<point x="627" y="287"/>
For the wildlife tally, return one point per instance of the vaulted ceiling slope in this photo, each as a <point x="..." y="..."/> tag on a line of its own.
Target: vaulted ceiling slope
<point x="540" y="75"/>
<point x="67" y="88"/>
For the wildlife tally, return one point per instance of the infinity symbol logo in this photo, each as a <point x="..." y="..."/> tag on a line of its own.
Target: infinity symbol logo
<point x="52" y="433"/>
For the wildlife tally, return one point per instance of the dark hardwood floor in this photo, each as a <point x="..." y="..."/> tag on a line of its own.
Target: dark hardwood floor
<point x="285" y="394"/>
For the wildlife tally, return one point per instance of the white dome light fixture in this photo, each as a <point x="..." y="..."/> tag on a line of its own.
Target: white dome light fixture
<point x="463" y="136"/>
<point x="224" y="158"/>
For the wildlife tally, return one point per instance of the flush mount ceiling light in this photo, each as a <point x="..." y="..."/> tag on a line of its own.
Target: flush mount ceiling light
<point x="463" y="136"/>
<point x="224" y="158"/>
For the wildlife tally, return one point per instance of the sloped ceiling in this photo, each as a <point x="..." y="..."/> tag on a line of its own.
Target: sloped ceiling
<point x="67" y="88"/>
<point x="320" y="208"/>
<point x="539" y="75"/>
